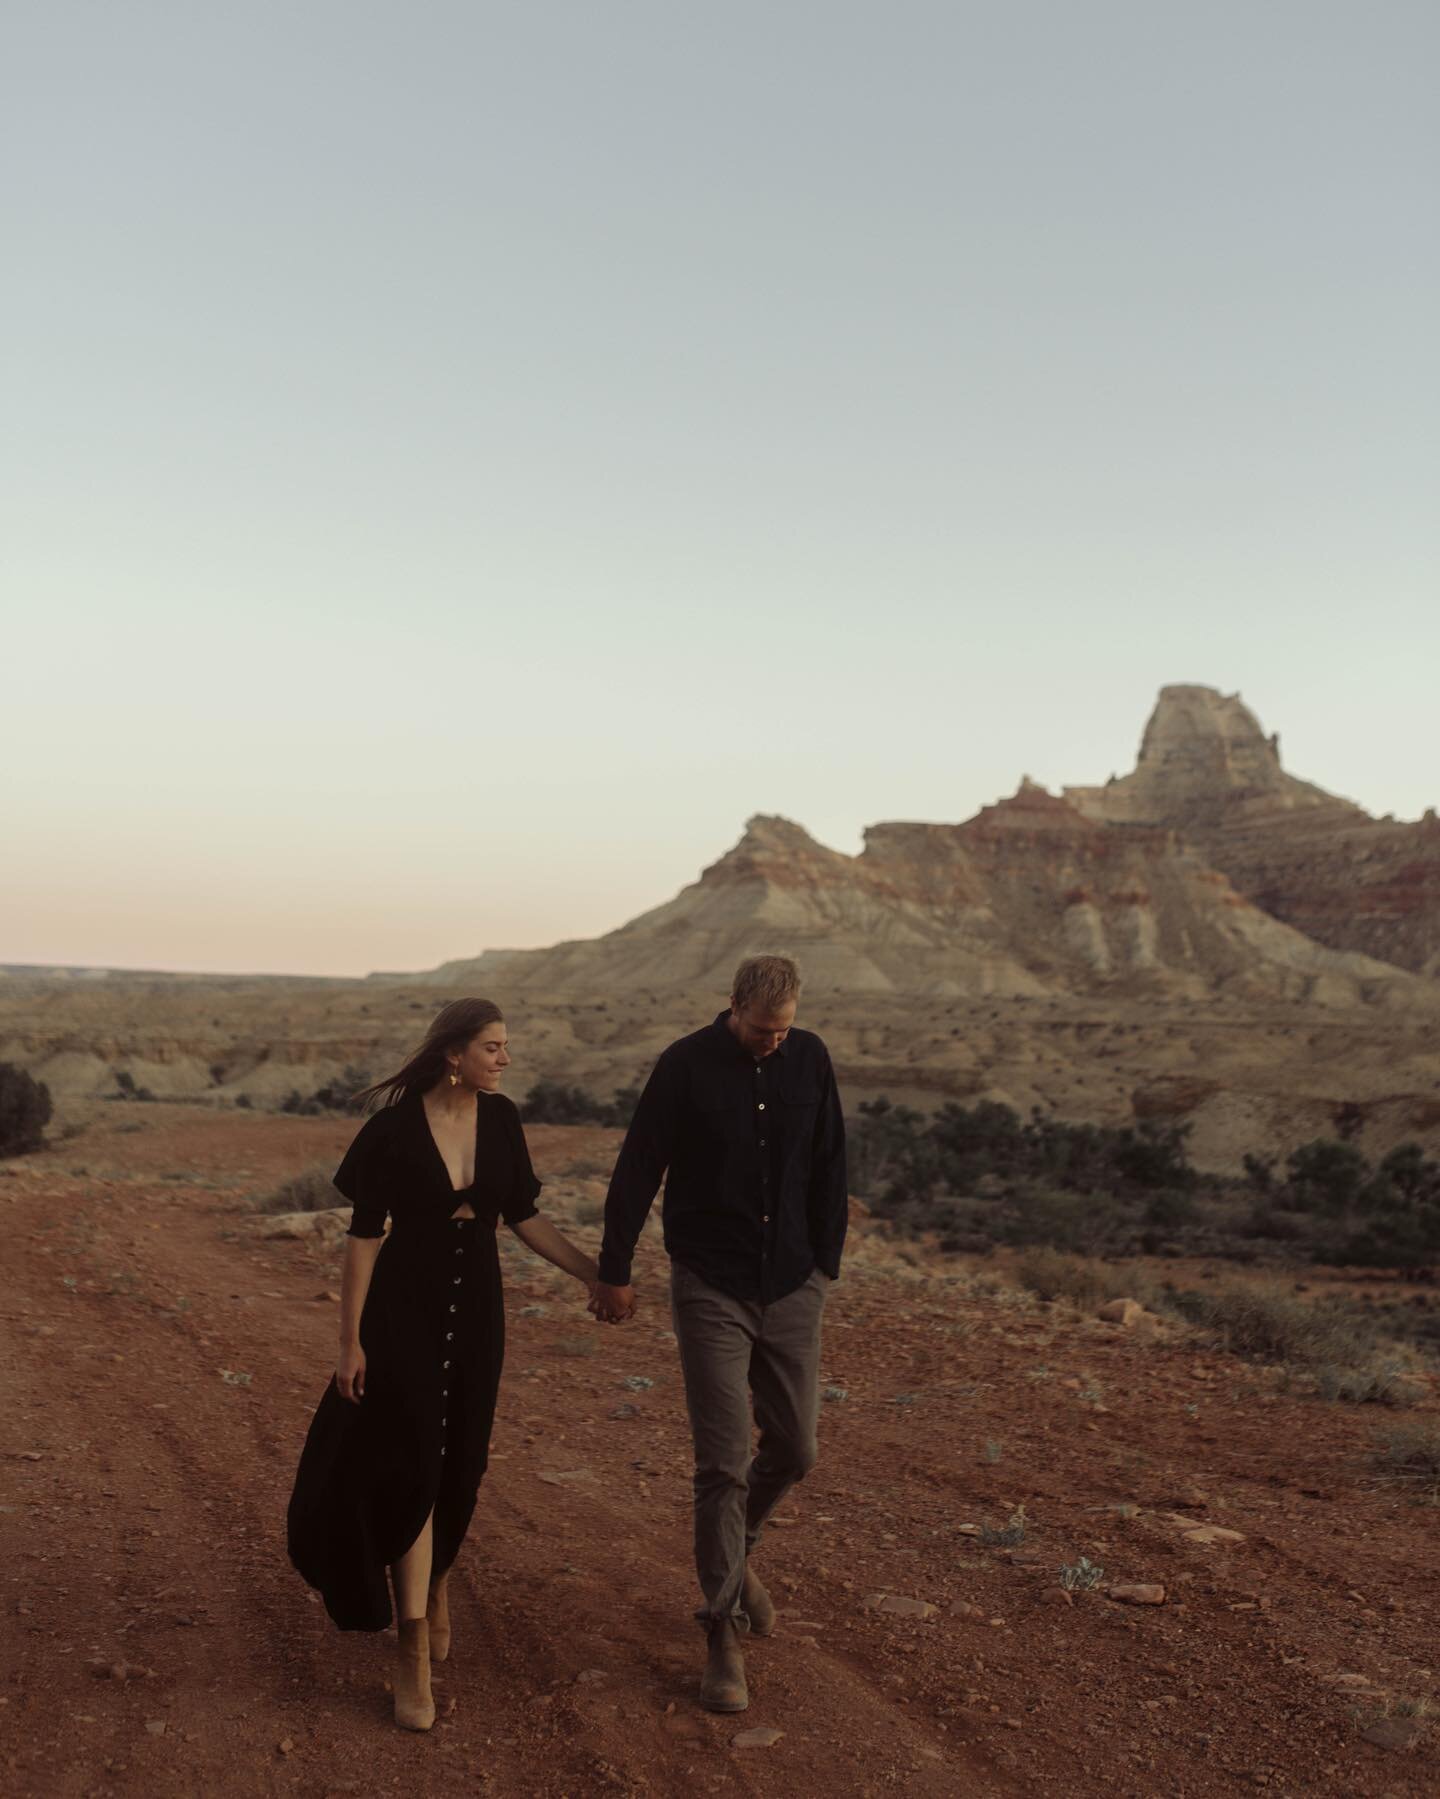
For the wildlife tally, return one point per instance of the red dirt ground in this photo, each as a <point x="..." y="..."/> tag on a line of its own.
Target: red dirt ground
<point x="157" y="1641"/>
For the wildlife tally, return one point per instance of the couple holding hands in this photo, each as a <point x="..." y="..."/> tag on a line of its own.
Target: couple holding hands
<point x="742" y="1122"/>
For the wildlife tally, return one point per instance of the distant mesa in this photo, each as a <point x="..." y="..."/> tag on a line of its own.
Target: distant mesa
<point x="1209" y="871"/>
<point x="1203" y="757"/>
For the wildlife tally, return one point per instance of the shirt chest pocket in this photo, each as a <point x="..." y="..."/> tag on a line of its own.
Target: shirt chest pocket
<point x="800" y="1096"/>
<point x="717" y="1112"/>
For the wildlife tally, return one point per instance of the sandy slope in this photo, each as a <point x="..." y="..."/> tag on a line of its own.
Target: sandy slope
<point x="141" y="1523"/>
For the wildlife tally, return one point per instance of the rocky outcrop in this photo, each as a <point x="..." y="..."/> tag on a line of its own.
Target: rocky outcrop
<point x="1035" y="896"/>
<point x="1317" y="862"/>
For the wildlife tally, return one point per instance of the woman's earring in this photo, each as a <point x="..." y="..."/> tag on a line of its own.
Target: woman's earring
<point x="454" y="1078"/>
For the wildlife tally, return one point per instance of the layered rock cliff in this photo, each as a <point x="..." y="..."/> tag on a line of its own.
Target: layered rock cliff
<point x="1033" y="897"/>
<point x="1319" y="863"/>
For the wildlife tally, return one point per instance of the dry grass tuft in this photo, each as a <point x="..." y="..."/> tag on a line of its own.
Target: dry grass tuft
<point x="1409" y="1454"/>
<point x="311" y="1190"/>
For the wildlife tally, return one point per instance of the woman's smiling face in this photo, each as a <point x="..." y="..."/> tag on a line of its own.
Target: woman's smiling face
<point x="484" y="1059"/>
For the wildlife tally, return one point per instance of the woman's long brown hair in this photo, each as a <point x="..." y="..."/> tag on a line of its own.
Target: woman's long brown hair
<point x="453" y="1027"/>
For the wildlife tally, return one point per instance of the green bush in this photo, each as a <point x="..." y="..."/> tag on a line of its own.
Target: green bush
<point x="553" y="1102"/>
<point x="24" y="1111"/>
<point x="1326" y="1176"/>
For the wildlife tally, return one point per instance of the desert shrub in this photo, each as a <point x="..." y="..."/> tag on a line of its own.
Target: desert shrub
<point x="338" y="1095"/>
<point x="1325" y="1176"/>
<point x="1169" y="1208"/>
<point x="1408" y="1170"/>
<point x="1084" y="1281"/>
<point x="1153" y="1155"/>
<point x="1409" y="1454"/>
<point x="1008" y="1535"/>
<point x="1074" y="1221"/>
<point x="24" y="1111"/>
<point x="1262" y="1325"/>
<point x="891" y="1160"/>
<point x="1259" y="1171"/>
<point x="311" y="1190"/>
<point x="126" y="1088"/>
<point x="1373" y="1383"/>
<point x="1082" y="1576"/>
<point x="987" y="1139"/>
<point x="1050" y="1274"/>
<point x="1405" y="1236"/>
<point x="895" y="1149"/>
<point x="1400" y="1206"/>
<point x="553" y="1102"/>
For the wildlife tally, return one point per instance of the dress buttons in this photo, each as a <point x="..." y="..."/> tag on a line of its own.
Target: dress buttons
<point x="444" y="1392"/>
<point x="442" y="1449"/>
<point x="449" y="1334"/>
<point x="456" y="1281"/>
<point x="762" y="1105"/>
<point x="443" y="1423"/>
<point x="452" y="1308"/>
<point x="765" y="1219"/>
<point x="444" y="1364"/>
<point x="762" y="1143"/>
<point x="459" y="1252"/>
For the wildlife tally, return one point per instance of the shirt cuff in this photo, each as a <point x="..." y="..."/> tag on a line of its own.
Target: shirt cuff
<point x="613" y="1271"/>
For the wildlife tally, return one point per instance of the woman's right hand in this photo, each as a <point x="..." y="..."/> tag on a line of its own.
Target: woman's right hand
<point x="350" y="1373"/>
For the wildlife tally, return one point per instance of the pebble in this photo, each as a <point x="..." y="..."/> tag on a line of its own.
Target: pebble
<point x="1141" y="1593"/>
<point x="899" y="1606"/>
<point x="1194" y="1531"/>
<point x="764" y="1737"/>
<point x="155" y="1726"/>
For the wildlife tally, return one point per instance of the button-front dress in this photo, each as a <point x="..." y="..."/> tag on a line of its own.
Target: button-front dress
<point x="433" y="1332"/>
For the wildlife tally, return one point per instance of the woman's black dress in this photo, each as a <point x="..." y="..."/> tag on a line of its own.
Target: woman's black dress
<point x="433" y="1332"/>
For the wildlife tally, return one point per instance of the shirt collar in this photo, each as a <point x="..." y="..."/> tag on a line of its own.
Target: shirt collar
<point x="733" y="1043"/>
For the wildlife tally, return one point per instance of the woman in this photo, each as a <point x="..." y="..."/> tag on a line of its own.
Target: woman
<point x="395" y="1454"/>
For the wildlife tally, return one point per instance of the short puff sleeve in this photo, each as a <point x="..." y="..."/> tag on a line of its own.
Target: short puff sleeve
<point x="523" y="1187"/>
<point x="363" y="1179"/>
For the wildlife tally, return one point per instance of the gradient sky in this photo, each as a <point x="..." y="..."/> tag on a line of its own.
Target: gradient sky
<point x="461" y="460"/>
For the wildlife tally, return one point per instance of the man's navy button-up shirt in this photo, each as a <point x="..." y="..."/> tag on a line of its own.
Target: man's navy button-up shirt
<point x="752" y="1153"/>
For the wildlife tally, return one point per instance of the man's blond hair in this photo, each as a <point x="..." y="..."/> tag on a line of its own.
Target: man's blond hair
<point x="766" y="982"/>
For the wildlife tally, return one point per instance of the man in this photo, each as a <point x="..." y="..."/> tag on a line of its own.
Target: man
<point x="746" y="1118"/>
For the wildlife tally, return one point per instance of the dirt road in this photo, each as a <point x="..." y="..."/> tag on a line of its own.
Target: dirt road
<point x="160" y="1365"/>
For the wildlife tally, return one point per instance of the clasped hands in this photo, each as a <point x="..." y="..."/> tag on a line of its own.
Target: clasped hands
<point x="611" y="1305"/>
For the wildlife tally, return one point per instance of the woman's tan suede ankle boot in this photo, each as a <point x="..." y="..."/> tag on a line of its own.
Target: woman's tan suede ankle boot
<point x="437" y="1616"/>
<point x="414" y="1705"/>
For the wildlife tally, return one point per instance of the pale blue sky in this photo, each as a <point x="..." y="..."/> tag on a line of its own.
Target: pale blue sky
<point x="460" y="460"/>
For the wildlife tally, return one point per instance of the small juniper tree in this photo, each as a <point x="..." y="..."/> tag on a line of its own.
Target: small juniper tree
<point x="24" y="1111"/>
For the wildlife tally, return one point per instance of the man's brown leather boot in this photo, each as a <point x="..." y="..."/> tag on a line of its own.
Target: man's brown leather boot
<point x="437" y="1616"/>
<point x="722" y="1686"/>
<point x="757" y="1603"/>
<point x="414" y="1705"/>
